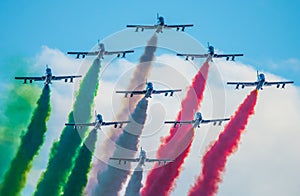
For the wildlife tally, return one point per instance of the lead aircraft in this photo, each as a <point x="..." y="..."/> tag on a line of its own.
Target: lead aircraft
<point x="142" y="159"/>
<point x="47" y="78"/>
<point x="160" y="26"/>
<point x="261" y="81"/>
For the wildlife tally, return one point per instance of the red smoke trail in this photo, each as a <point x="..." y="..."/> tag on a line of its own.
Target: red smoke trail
<point x="215" y="158"/>
<point x="161" y="180"/>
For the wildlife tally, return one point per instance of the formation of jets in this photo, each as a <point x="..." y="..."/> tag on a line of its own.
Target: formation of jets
<point x="149" y="90"/>
<point x="48" y="77"/>
<point x="141" y="159"/>
<point x="98" y="123"/>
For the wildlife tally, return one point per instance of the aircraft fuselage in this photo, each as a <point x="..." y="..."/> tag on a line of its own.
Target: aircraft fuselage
<point x="142" y="157"/>
<point x="260" y="81"/>
<point x="149" y="89"/>
<point x="197" y="119"/>
<point x="99" y="121"/>
<point x="48" y="76"/>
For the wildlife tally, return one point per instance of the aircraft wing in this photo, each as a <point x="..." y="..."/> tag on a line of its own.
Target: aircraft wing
<point x="132" y="92"/>
<point x="243" y="84"/>
<point x="215" y="121"/>
<point x="227" y="56"/>
<point x="192" y="56"/>
<point x="159" y="160"/>
<point x="179" y="122"/>
<point x="42" y="78"/>
<point x="166" y="91"/>
<point x="282" y="83"/>
<point x="83" y="54"/>
<point x="80" y="124"/>
<point x="124" y="159"/>
<point x="177" y="27"/>
<point x="64" y="77"/>
<point x="142" y="27"/>
<point x="116" y="123"/>
<point x="118" y="53"/>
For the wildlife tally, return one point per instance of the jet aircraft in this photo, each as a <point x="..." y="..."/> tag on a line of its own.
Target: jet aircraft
<point x="47" y="78"/>
<point x="98" y="123"/>
<point x="160" y="26"/>
<point x="261" y="81"/>
<point x="149" y="91"/>
<point x="142" y="159"/>
<point x="101" y="52"/>
<point x="197" y="121"/>
<point x="210" y="55"/>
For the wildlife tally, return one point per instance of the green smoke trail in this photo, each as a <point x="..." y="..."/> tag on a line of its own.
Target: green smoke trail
<point x="15" y="177"/>
<point x="17" y="104"/>
<point x="63" y="152"/>
<point x="79" y="176"/>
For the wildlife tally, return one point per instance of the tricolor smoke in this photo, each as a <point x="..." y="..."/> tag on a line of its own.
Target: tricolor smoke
<point x="141" y="73"/>
<point x="214" y="160"/>
<point x="15" y="177"/>
<point x="63" y="152"/>
<point x="135" y="182"/>
<point x="161" y="180"/>
<point x="78" y="178"/>
<point x="111" y="180"/>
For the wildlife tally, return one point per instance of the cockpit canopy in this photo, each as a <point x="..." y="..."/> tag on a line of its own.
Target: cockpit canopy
<point x="99" y="117"/>
<point x="198" y="115"/>
<point x="149" y="85"/>
<point x="48" y="71"/>
<point x="161" y="20"/>
<point x="143" y="153"/>
<point x="211" y="50"/>
<point x="101" y="46"/>
<point x="261" y="76"/>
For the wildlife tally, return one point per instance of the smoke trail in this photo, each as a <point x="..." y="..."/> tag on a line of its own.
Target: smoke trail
<point x="215" y="158"/>
<point x="78" y="178"/>
<point x="15" y="177"/>
<point x="17" y="105"/>
<point x="161" y="180"/>
<point x="63" y="151"/>
<point x="135" y="182"/>
<point x="111" y="180"/>
<point x="141" y="73"/>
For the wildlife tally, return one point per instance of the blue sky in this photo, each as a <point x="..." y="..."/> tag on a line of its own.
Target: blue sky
<point x="265" y="30"/>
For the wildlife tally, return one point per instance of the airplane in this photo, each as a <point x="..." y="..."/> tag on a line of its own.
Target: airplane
<point x="261" y="81"/>
<point x="47" y="78"/>
<point x="149" y="91"/>
<point x="159" y="26"/>
<point x="98" y="123"/>
<point x="197" y="121"/>
<point x="142" y="159"/>
<point x="101" y="52"/>
<point x="210" y="55"/>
